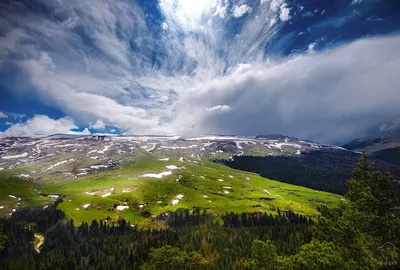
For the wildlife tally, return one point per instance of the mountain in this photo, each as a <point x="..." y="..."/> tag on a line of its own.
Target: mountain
<point x="104" y="176"/>
<point x="143" y="178"/>
<point x="385" y="148"/>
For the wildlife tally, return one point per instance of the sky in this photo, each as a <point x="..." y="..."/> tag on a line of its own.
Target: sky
<point x="326" y="71"/>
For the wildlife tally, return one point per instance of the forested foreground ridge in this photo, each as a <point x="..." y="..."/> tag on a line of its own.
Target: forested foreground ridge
<point x="362" y="233"/>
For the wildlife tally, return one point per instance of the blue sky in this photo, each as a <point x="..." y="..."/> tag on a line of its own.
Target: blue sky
<point x="319" y="70"/>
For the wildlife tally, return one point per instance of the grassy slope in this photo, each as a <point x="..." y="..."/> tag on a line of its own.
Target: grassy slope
<point x="246" y="194"/>
<point x="18" y="187"/>
<point x="198" y="180"/>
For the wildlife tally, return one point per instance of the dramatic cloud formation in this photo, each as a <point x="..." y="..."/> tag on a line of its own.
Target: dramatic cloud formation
<point x="195" y="67"/>
<point x="336" y="94"/>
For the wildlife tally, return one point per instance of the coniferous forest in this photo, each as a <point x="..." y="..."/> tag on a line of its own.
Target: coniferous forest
<point x="362" y="233"/>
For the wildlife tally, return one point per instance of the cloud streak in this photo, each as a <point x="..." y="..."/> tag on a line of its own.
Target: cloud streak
<point x="194" y="67"/>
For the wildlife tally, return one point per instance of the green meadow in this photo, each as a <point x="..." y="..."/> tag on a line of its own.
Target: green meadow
<point x="200" y="183"/>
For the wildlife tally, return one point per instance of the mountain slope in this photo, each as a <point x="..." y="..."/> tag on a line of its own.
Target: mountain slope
<point x="322" y="170"/>
<point x="385" y="148"/>
<point x="143" y="178"/>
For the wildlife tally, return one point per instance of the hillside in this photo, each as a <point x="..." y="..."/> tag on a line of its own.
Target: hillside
<point x="385" y="148"/>
<point x="326" y="170"/>
<point x="143" y="178"/>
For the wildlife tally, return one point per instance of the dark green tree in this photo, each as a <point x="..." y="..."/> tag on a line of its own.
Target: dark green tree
<point x="3" y="238"/>
<point x="172" y="258"/>
<point x="364" y="221"/>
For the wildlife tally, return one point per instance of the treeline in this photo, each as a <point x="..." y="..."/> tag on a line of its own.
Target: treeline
<point x="263" y="219"/>
<point x="185" y="217"/>
<point x="321" y="170"/>
<point x="100" y="245"/>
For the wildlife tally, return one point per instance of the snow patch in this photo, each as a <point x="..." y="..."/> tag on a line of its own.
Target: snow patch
<point x="86" y="205"/>
<point x="14" y="197"/>
<point x="149" y="149"/>
<point x="177" y="198"/>
<point x="238" y="145"/>
<point x="163" y="159"/>
<point x="53" y="196"/>
<point x="266" y="191"/>
<point x="220" y="180"/>
<point x="16" y="156"/>
<point x="192" y="146"/>
<point x="58" y="164"/>
<point x="96" y="167"/>
<point x="106" y="147"/>
<point x="24" y="175"/>
<point x="174" y="147"/>
<point x="279" y="145"/>
<point x="122" y="207"/>
<point x="155" y="175"/>
<point x="175" y="202"/>
<point x="171" y="167"/>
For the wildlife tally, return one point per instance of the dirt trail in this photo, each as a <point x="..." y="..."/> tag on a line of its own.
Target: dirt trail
<point x="39" y="240"/>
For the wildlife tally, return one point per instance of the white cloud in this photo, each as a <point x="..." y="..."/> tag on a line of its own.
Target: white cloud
<point x="330" y="96"/>
<point x="188" y="13"/>
<point x="164" y="26"/>
<point x="43" y="125"/>
<point x="276" y="4"/>
<point x="3" y="115"/>
<point x="239" y="11"/>
<point x="55" y="89"/>
<point x="285" y="13"/>
<point x="219" y="108"/>
<point x="220" y="11"/>
<point x="98" y="125"/>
